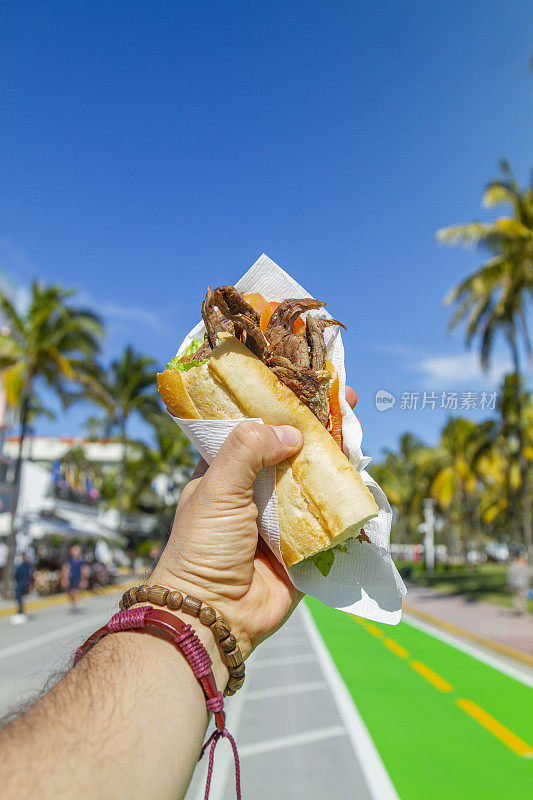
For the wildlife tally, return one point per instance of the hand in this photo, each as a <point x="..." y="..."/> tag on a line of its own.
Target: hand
<point x="214" y="551"/>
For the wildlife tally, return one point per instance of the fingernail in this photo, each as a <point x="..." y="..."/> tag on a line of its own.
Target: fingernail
<point x="287" y="434"/>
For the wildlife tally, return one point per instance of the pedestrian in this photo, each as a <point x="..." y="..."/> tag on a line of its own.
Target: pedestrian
<point x="518" y="582"/>
<point x="74" y="576"/>
<point x="23" y="579"/>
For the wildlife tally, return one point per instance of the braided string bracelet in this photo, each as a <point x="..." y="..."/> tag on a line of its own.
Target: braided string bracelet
<point x="160" y="623"/>
<point x="227" y="642"/>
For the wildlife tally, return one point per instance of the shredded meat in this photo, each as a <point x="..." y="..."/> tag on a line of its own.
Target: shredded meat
<point x="244" y="317"/>
<point x="315" y="339"/>
<point x="232" y="303"/>
<point x="214" y="323"/>
<point x="294" y="347"/>
<point x="203" y="352"/>
<point x="319" y="405"/>
<point x="297" y="359"/>
<point x="288" y="310"/>
<point x="303" y="381"/>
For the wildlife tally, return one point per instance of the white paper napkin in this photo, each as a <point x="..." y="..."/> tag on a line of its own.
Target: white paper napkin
<point x="363" y="581"/>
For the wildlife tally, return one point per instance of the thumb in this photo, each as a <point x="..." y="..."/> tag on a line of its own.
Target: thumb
<point x="249" y="447"/>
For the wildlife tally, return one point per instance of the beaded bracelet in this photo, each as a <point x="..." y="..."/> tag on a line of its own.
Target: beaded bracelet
<point x="160" y="623"/>
<point x="227" y="642"/>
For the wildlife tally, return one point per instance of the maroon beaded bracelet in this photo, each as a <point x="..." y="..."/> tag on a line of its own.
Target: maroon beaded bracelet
<point x="160" y="623"/>
<point x="160" y="596"/>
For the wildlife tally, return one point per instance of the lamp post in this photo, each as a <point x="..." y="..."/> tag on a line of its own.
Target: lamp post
<point x="428" y="529"/>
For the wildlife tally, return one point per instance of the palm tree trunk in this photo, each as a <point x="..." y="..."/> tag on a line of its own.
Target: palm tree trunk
<point x="7" y="580"/>
<point x="525" y="334"/>
<point x="122" y="475"/>
<point x="465" y="520"/>
<point x="527" y="528"/>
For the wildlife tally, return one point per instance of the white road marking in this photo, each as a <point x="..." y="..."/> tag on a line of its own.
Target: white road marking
<point x="280" y="691"/>
<point x="471" y="650"/>
<point x="284" y="661"/>
<point x="58" y="633"/>
<point x="281" y="742"/>
<point x="376" y="776"/>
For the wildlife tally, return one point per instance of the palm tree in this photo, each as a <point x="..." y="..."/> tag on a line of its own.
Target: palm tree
<point x="497" y="462"/>
<point x="170" y="457"/>
<point x="493" y="299"/>
<point x="402" y="475"/>
<point x="50" y="341"/>
<point x="129" y="390"/>
<point x="455" y="485"/>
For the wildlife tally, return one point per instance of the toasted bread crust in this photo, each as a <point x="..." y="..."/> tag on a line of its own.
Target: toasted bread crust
<point x="174" y="394"/>
<point x="322" y="499"/>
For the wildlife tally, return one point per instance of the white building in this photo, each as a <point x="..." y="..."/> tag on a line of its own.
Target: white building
<point x="42" y="512"/>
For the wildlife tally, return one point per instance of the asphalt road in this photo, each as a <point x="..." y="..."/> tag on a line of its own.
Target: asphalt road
<point x="448" y="720"/>
<point x="299" y="735"/>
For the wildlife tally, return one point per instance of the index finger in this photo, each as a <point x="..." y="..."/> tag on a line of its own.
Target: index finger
<point x="351" y="396"/>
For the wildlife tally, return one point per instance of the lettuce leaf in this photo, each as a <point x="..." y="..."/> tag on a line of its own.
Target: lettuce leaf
<point x="183" y="366"/>
<point x="323" y="561"/>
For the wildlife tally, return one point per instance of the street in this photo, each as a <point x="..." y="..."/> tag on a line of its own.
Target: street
<point x="440" y="711"/>
<point x="33" y="653"/>
<point x="294" y="722"/>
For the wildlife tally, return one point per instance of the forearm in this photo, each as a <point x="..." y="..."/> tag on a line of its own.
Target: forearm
<point x="127" y="722"/>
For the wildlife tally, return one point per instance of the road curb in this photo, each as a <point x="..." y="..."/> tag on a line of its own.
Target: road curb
<point x="61" y="599"/>
<point x="503" y="649"/>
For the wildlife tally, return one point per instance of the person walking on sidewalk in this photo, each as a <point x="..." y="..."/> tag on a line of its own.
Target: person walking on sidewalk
<point x="74" y="575"/>
<point x="518" y="582"/>
<point x="23" y="578"/>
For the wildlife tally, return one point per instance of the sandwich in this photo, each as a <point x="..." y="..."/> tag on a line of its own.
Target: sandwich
<point x="268" y="360"/>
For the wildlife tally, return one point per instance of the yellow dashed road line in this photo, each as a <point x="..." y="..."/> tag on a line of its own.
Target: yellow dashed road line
<point x="396" y="648"/>
<point x="514" y="742"/>
<point x="490" y="723"/>
<point x="377" y="632"/>
<point x="431" y="677"/>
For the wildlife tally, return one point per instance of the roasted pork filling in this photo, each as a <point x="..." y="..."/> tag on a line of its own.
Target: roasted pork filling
<point x="297" y="359"/>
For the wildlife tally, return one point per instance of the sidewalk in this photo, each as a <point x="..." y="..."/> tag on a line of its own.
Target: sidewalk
<point x="35" y="602"/>
<point x="490" y="625"/>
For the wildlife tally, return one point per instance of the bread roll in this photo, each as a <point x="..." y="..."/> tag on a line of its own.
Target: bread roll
<point x="322" y="499"/>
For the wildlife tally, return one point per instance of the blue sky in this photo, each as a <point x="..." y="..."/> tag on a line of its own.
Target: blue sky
<point x="149" y="149"/>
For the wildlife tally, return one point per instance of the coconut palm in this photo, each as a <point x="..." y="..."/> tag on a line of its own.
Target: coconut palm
<point x="171" y="458"/>
<point x="402" y="475"/>
<point x="129" y="391"/>
<point x="51" y="342"/>
<point x="497" y="463"/>
<point x="456" y="483"/>
<point x="492" y="301"/>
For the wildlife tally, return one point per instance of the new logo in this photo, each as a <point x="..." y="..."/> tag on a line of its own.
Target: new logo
<point x="384" y="400"/>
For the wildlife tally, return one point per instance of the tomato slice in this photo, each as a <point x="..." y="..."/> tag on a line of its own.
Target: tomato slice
<point x="265" y="308"/>
<point x="262" y="306"/>
<point x="299" y="325"/>
<point x="265" y="316"/>
<point x="256" y="300"/>
<point x="335" y="413"/>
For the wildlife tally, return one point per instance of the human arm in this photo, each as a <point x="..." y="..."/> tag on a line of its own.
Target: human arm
<point x="65" y="571"/>
<point x="129" y="719"/>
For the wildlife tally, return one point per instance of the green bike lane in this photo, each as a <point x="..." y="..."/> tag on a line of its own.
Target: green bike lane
<point x="445" y="724"/>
